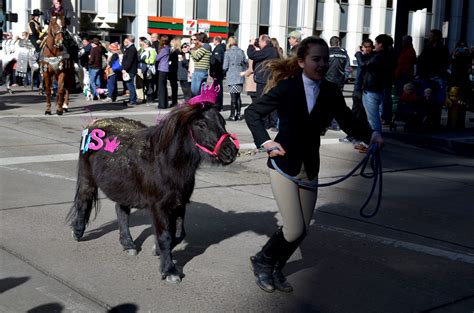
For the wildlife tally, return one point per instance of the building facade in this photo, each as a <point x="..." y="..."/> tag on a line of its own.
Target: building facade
<point x="352" y="20"/>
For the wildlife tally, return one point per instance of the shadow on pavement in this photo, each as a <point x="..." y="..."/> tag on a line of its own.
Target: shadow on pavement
<point x="21" y="97"/>
<point x="12" y="282"/>
<point x="97" y="107"/>
<point x="47" y="308"/>
<point x="205" y="226"/>
<point x="124" y="308"/>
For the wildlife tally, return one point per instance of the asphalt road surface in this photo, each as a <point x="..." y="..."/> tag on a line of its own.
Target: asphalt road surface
<point x="415" y="255"/>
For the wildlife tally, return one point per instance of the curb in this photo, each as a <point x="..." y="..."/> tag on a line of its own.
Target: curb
<point x="462" y="144"/>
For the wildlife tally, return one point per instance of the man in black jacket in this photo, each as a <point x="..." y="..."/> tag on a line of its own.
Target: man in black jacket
<point x="215" y="70"/>
<point x="261" y="52"/>
<point x="129" y="67"/>
<point x="339" y="61"/>
<point x="377" y="80"/>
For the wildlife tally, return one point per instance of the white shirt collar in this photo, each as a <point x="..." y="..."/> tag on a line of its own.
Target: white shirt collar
<point x="311" y="89"/>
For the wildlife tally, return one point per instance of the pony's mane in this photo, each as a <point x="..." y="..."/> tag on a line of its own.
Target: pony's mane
<point x="176" y="124"/>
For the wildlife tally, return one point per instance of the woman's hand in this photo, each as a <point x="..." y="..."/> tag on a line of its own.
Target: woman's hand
<point x="377" y="140"/>
<point x="274" y="149"/>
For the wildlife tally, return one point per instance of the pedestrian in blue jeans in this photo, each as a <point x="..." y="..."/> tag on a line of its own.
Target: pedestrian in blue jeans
<point x="201" y="57"/>
<point x="113" y="69"/>
<point x="95" y="66"/>
<point x="379" y="73"/>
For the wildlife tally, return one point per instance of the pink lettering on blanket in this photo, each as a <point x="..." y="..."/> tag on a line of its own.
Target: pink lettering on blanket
<point x="94" y="141"/>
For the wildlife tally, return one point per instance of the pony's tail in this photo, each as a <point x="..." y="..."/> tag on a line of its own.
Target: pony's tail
<point x="87" y="195"/>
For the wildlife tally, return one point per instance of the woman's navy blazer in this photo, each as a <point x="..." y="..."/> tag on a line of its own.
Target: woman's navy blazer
<point x="299" y="131"/>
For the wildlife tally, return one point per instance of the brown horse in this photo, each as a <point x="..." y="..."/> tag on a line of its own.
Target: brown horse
<point x="57" y="63"/>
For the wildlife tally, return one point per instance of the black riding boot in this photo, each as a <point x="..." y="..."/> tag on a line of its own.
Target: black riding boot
<point x="238" y="107"/>
<point x="232" y="107"/>
<point x="263" y="262"/>
<point x="286" y="252"/>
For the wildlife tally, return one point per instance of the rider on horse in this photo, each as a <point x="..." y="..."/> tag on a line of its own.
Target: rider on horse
<point x="57" y="9"/>
<point x="35" y="30"/>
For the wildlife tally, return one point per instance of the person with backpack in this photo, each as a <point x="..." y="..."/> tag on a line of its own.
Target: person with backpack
<point x="113" y="70"/>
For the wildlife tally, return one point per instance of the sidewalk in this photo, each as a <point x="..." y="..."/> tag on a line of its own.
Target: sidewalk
<point x="459" y="142"/>
<point x="25" y="102"/>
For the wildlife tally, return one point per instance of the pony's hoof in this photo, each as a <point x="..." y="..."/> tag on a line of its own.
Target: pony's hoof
<point x="132" y="252"/>
<point x="59" y="112"/>
<point x="155" y="251"/>
<point x="65" y="110"/>
<point x="175" y="279"/>
<point x="75" y="237"/>
<point x="47" y="113"/>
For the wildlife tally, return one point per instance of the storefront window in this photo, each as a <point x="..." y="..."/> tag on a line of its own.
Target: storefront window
<point x="265" y="12"/>
<point x="129" y="7"/>
<point x="167" y="8"/>
<point x="292" y="13"/>
<point x="88" y="6"/>
<point x="201" y="9"/>
<point x="234" y="11"/>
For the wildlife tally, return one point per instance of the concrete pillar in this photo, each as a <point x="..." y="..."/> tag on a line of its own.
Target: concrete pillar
<point x="438" y="9"/>
<point x="355" y="24"/>
<point x="248" y="22"/>
<point x="144" y="9"/>
<point x="19" y="7"/>
<point x="307" y="17"/>
<point x="183" y="9"/>
<point x="455" y="21"/>
<point x="332" y="15"/>
<point x="217" y="10"/>
<point x="377" y="17"/>
<point x="419" y="29"/>
<point x="470" y="21"/>
<point x="278" y="21"/>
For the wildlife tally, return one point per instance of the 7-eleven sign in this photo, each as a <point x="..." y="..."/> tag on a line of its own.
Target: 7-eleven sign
<point x="190" y="27"/>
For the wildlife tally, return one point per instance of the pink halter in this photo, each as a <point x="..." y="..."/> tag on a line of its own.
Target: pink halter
<point x="218" y="144"/>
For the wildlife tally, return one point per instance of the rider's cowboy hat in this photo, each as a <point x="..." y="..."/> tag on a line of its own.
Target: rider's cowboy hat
<point x="36" y="12"/>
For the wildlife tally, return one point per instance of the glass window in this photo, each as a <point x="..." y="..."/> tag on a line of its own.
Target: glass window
<point x="167" y="8"/>
<point x="390" y="4"/>
<point x="263" y="30"/>
<point x="368" y="2"/>
<point x="388" y="22"/>
<point x="292" y="13"/>
<point x="234" y="30"/>
<point x="367" y="13"/>
<point x="265" y="12"/>
<point x="88" y="6"/>
<point x="234" y="11"/>
<point x="320" y="17"/>
<point x="129" y="7"/>
<point x="344" y="17"/>
<point x="343" y="38"/>
<point x="201" y="9"/>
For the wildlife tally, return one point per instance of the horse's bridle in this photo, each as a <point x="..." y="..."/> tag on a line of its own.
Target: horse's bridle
<point x="213" y="153"/>
<point x="56" y="62"/>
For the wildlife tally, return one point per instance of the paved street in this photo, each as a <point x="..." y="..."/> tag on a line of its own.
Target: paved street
<point x="416" y="255"/>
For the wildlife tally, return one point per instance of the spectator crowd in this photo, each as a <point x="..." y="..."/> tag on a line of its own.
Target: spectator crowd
<point x="390" y="85"/>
